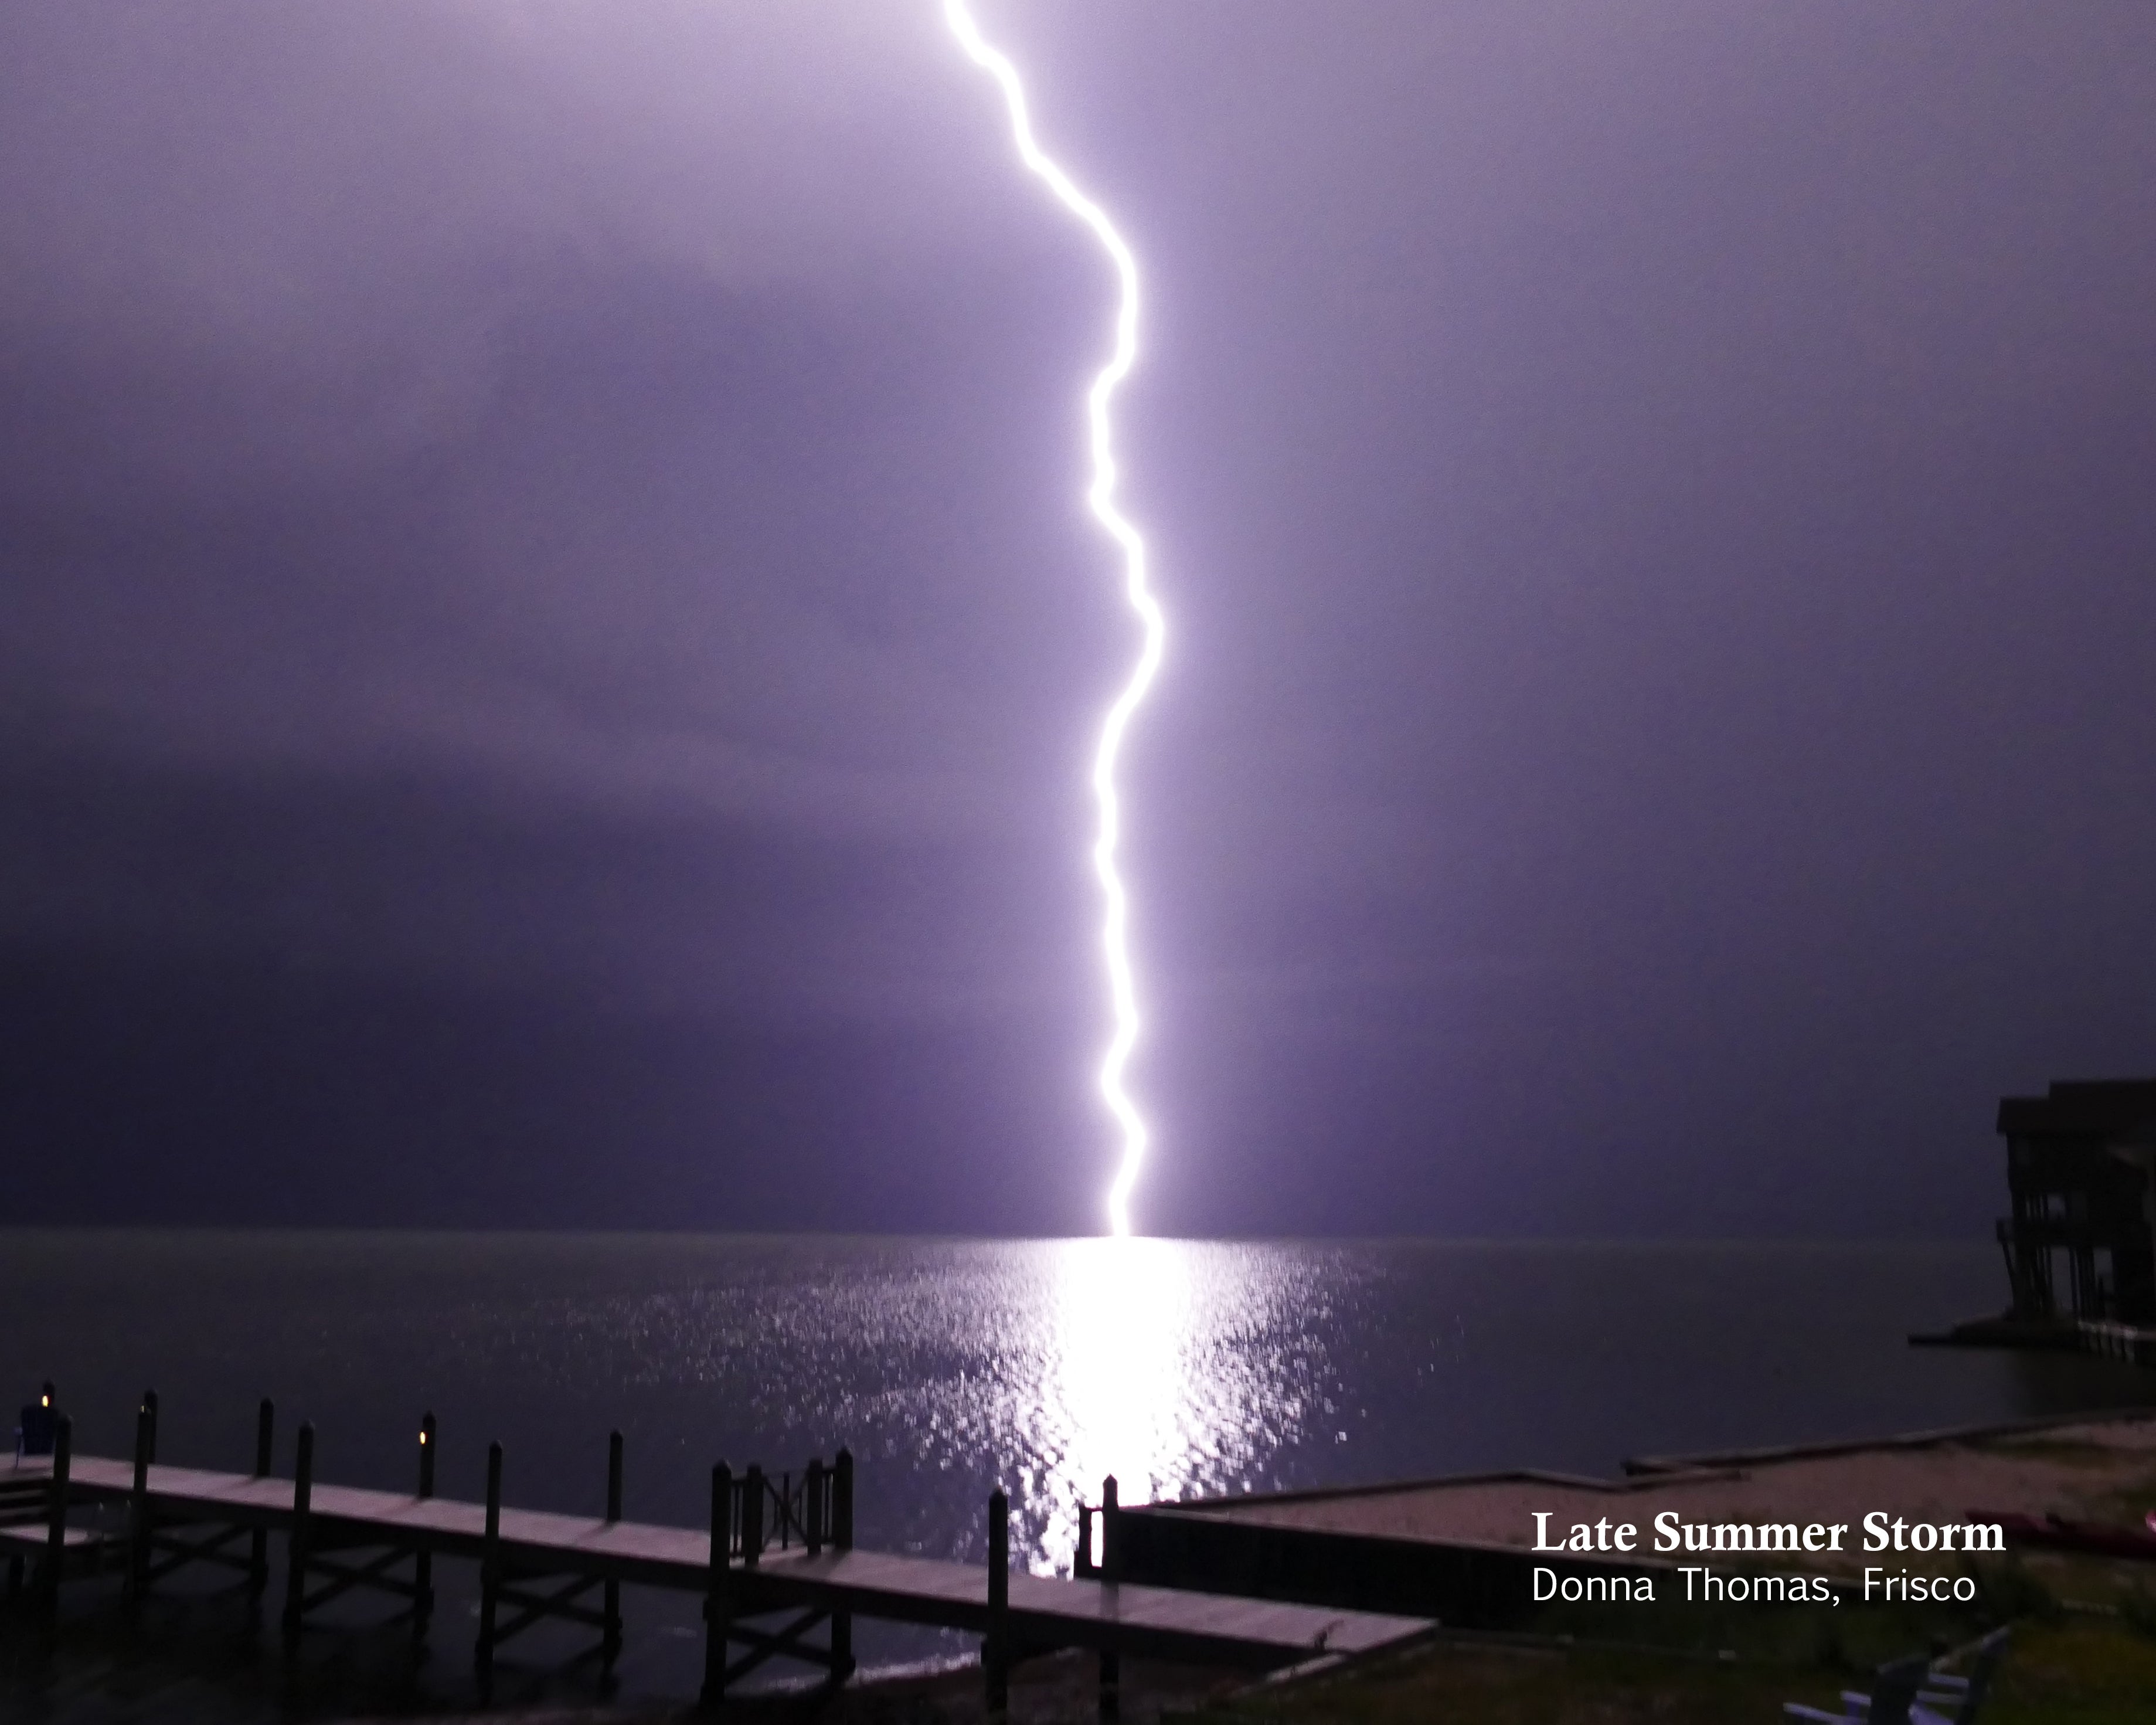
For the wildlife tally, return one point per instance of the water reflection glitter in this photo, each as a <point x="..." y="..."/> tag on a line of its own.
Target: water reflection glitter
<point x="1120" y="1375"/>
<point x="1166" y="1363"/>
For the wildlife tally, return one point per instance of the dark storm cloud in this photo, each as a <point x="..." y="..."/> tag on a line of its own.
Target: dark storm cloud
<point x="614" y="414"/>
<point x="485" y="382"/>
<point x="575" y="505"/>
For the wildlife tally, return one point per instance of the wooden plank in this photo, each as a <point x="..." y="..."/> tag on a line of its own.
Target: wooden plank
<point x="36" y="1539"/>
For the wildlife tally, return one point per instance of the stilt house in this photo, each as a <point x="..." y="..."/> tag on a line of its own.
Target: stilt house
<point x="2081" y="1165"/>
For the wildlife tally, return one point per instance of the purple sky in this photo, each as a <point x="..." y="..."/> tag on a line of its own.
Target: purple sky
<point x="550" y="640"/>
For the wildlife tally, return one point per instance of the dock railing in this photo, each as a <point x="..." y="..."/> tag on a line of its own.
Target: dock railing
<point x="777" y="1512"/>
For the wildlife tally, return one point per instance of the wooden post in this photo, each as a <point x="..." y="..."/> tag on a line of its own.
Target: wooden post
<point x="490" y="1577"/>
<point x="610" y="1641"/>
<point x="1111" y="1572"/>
<point x="842" y="1539"/>
<point x="751" y="1533"/>
<point x="995" y="1646"/>
<point x="257" y="1544"/>
<point x="422" y="1560"/>
<point x="812" y="1503"/>
<point x="56" y="1516"/>
<point x="138" y="1505"/>
<point x="718" y="1588"/>
<point x="296" y="1543"/>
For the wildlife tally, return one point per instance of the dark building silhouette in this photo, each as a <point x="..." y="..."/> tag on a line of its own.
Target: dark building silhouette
<point x="2081" y="1165"/>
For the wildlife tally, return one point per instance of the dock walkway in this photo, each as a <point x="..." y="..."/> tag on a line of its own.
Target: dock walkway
<point x="1163" y="1622"/>
<point x="544" y="1564"/>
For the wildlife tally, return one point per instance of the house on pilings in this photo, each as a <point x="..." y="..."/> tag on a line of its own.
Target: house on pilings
<point x="2080" y="1167"/>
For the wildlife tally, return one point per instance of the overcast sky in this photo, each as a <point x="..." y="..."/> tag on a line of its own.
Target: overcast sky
<point x="550" y="639"/>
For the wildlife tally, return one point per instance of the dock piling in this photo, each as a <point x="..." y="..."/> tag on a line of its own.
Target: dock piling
<point x="718" y="1612"/>
<point x="1111" y="1509"/>
<point x="1111" y="1572"/>
<point x="841" y="1500"/>
<point x="138" y="1507"/>
<point x="56" y="1515"/>
<point x="610" y="1637"/>
<point x="995" y="1645"/>
<point x="422" y="1560"/>
<point x="751" y="1519"/>
<point x="258" y="1543"/>
<point x="812" y="1505"/>
<point x="489" y="1576"/>
<point x="842" y="1539"/>
<point x="296" y="1547"/>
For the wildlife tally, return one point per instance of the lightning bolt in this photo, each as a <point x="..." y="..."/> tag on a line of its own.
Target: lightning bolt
<point x="1138" y="592"/>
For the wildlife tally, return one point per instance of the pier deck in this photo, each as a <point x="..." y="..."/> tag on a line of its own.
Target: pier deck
<point x="1041" y="1612"/>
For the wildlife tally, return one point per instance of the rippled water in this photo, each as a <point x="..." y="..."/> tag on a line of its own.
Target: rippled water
<point x="1184" y="1368"/>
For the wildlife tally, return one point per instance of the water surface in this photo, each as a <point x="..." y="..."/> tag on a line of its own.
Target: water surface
<point x="1184" y="1368"/>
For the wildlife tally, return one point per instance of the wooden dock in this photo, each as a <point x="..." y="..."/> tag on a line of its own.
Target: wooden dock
<point x="777" y="1545"/>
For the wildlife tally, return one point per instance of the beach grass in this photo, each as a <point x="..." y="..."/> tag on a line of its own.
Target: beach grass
<point x="2076" y="1671"/>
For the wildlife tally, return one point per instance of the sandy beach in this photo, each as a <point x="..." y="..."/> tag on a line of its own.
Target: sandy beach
<point x="2102" y="1471"/>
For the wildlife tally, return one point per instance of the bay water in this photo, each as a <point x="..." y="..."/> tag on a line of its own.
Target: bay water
<point x="949" y="1366"/>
